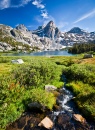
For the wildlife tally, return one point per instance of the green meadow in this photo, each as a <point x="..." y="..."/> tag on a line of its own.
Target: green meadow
<point x="21" y="84"/>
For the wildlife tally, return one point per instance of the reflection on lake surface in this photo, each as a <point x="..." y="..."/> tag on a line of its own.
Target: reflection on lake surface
<point x="43" y="53"/>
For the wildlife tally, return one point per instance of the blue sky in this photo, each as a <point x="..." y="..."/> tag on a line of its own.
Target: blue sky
<point x="33" y="13"/>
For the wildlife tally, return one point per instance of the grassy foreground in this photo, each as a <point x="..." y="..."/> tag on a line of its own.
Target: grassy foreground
<point x="23" y="84"/>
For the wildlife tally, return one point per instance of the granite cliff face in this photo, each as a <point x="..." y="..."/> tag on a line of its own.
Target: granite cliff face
<point x="50" y="31"/>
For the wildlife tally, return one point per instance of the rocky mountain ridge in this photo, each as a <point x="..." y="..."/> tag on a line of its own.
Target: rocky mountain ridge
<point x="47" y="37"/>
<point x="19" y="36"/>
<point x="65" y="38"/>
<point x="77" y="30"/>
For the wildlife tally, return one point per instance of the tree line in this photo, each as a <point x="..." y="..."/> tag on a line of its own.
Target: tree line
<point x="82" y="47"/>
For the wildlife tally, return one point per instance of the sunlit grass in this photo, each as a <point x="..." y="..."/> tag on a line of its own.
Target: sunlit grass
<point x="76" y="67"/>
<point x="88" y="61"/>
<point x="5" y="68"/>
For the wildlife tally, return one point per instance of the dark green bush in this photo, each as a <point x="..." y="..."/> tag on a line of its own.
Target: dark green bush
<point x="85" y="73"/>
<point x="37" y="73"/>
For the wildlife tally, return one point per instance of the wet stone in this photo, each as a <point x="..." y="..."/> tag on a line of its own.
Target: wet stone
<point x="21" y="122"/>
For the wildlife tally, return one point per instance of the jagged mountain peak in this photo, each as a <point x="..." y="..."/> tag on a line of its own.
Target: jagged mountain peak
<point x="77" y="30"/>
<point x="51" y="24"/>
<point x="49" y="30"/>
<point x="51" y="21"/>
<point x="21" y="27"/>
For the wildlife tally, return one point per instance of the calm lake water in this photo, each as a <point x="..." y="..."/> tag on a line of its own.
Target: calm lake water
<point x="43" y="53"/>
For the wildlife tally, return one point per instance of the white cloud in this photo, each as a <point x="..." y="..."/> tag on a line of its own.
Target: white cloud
<point x="4" y="4"/>
<point x="38" y="4"/>
<point x="23" y="2"/>
<point x="44" y="14"/>
<point x="90" y="14"/>
<point x="7" y="4"/>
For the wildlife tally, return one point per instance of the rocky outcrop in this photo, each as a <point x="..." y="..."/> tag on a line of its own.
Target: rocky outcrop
<point x="5" y="47"/>
<point x="15" y="33"/>
<point x="5" y="29"/>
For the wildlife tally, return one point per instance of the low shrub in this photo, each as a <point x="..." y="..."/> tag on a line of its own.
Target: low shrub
<point x="85" y="97"/>
<point x="85" y="73"/>
<point x="37" y="73"/>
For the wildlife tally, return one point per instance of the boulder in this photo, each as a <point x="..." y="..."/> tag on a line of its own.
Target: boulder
<point x="46" y="122"/>
<point x="18" y="61"/>
<point x="49" y="88"/>
<point x="88" y="56"/>
<point x="35" y="105"/>
<point x="79" y="118"/>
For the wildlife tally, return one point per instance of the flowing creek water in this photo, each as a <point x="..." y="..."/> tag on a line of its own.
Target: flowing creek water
<point x="62" y="118"/>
